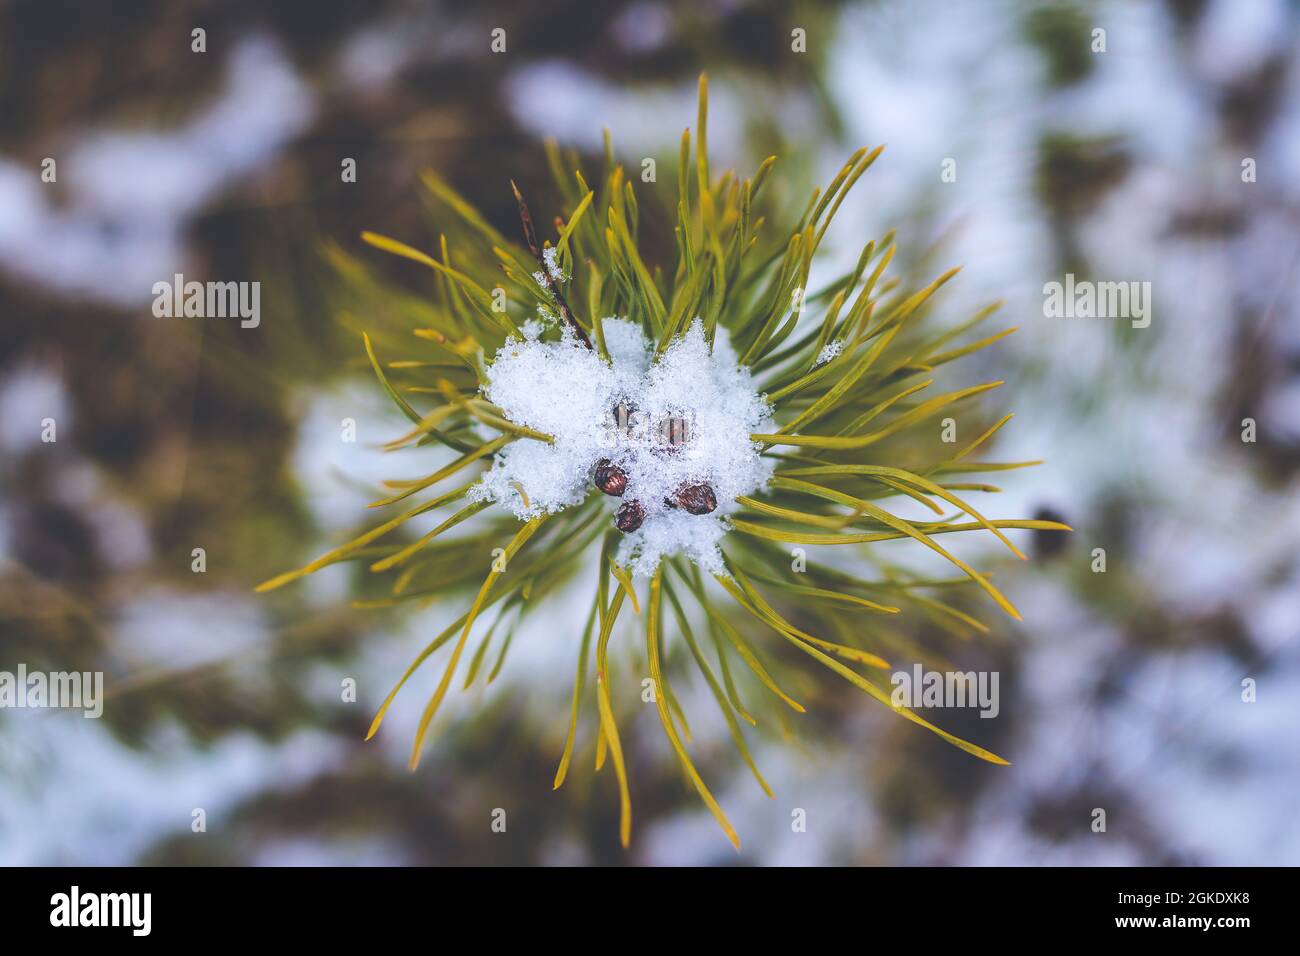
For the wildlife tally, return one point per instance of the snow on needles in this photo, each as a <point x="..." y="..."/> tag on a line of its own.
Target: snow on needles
<point x="568" y="391"/>
<point x="829" y="351"/>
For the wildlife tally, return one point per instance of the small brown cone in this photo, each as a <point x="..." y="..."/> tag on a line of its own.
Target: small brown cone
<point x="697" y="499"/>
<point x="629" y="517"/>
<point x="610" y="478"/>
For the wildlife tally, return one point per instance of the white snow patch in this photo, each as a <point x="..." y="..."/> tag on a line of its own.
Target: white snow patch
<point x="568" y="391"/>
<point x="553" y="269"/>
<point x="829" y="351"/>
<point x="553" y="265"/>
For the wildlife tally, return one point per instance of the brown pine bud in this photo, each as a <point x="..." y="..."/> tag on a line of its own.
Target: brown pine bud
<point x="697" y="499"/>
<point x="610" y="478"/>
<point x="629" y="517"/>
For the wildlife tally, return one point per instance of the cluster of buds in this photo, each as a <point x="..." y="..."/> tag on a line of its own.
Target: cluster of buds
<point x="671" y="433"/>
<point x="696" y="499"/>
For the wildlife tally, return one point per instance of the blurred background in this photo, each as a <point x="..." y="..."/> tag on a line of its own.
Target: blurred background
<point x="1121" y="689"/>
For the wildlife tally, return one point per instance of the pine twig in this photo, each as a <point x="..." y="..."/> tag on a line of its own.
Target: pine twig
<point x="530" y="236"/>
